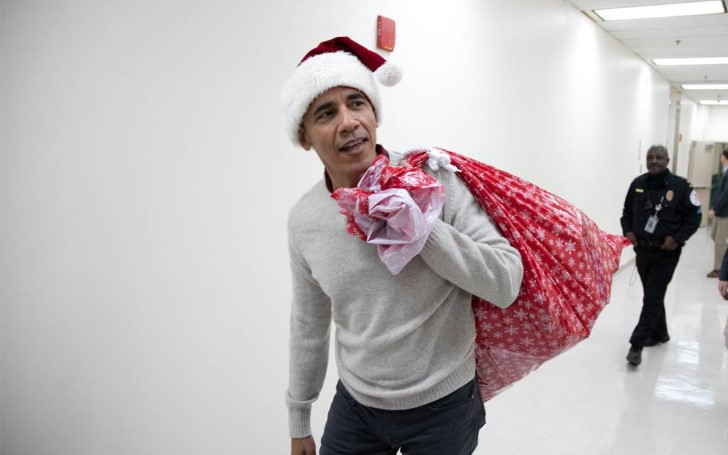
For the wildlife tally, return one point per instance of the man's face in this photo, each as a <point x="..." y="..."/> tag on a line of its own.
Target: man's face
<point x="340" y="125"/>
<point x="656" y="161"/>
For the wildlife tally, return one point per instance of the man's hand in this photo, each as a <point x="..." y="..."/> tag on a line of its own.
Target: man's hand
<point x="303" y="446"/>
<point x="722" y="288"/>
<point x="670" y="244"/>
<point x="711" y="214"/>
<point x="632" y="238"/>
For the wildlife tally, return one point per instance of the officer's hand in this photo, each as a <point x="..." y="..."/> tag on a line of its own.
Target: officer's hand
<point x="632" y="238"/>
<point x="303" y="446"/>
<point x="669" y="244"/>
<point x="722" y="288"/>
<point x="711" y="213"/>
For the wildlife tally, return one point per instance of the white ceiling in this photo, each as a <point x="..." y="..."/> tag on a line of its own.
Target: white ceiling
<point x="692" y="36"/>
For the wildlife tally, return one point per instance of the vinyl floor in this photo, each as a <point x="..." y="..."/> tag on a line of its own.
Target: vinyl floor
<point x="589" y="401"/>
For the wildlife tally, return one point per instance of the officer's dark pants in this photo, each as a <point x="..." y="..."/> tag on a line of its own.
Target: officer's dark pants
<point x="655" y="268"/>
<point x="448" y="426"/>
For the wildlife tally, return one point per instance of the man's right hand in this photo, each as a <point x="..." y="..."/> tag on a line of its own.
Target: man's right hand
<point x="632" y="238"/>
<point x="303" y="446"/>
<point x="723" y="289"/>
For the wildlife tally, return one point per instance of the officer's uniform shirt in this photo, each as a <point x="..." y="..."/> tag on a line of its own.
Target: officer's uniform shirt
<point x="671" y="199"/>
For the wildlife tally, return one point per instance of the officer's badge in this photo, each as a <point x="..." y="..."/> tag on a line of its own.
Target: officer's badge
<point x="670" y="194"/>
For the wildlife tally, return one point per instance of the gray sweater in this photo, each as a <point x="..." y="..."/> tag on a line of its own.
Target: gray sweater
<point x="404" y="340"/>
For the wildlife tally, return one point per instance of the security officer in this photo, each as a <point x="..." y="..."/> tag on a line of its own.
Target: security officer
<point x="661" y="211"/>
<point x="719" y="214"/>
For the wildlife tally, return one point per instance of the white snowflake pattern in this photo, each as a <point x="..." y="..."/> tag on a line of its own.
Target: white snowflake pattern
<point x="570" y="246"/>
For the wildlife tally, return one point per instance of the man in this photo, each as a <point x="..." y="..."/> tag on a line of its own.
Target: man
<point x="404" y="343"/>
<point x="661" y="211"/>
<point x="719" y="214"/>
<point x="723" y="290"/>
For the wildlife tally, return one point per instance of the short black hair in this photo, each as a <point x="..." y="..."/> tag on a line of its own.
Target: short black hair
<point x="658" y="148"/>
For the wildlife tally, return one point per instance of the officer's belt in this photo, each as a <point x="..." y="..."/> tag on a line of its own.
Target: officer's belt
<point x="652" y="244"/>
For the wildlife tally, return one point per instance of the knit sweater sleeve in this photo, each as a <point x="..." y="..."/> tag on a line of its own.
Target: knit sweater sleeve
<point x="467" y="249"/>
<point x="308" y="344"/>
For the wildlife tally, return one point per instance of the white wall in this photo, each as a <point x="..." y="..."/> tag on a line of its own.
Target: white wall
<point x="691" y="129"/>
<point x="699" y="123"/>
<point x="717" y="129"/>
<point x="146" y="180"/>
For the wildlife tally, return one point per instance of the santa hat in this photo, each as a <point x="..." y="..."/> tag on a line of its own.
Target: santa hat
<point x="339" y="62"/>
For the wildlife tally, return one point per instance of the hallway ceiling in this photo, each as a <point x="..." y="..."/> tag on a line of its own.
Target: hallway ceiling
<point x="690" y="36"/>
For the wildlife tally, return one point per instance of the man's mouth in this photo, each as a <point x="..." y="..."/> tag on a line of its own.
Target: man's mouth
<point x="352" y="145"/>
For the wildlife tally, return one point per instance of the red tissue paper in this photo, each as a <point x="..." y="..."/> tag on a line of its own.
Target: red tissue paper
<point x="394" y="208"/>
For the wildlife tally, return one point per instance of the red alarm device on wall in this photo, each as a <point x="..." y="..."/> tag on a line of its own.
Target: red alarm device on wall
<point x="385" y="33"/>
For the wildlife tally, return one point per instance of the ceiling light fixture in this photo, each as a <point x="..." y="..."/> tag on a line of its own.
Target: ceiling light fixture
<point x="715" y="102"/>
<point x="655" y="11"/>
<point x="691" y="61"/>
<point x="705" y="86"/>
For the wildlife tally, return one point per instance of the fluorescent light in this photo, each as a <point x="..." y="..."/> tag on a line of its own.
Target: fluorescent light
<point x="650" y="12"/>
<point x="691" y="61"/>
<point x="715" y="102"/>
<point x="705" y="86"/>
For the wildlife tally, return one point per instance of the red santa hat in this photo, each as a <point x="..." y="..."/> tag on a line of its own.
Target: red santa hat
<point x="339" y="62"/>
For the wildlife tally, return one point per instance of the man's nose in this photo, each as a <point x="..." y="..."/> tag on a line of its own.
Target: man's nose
<point x="349" y="120"/>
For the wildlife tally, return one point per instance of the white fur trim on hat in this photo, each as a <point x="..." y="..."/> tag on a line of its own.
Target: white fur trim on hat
<point x="320" y="73"/>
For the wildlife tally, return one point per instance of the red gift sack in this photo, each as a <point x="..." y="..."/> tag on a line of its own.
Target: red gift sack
<point x="568" y="268"/>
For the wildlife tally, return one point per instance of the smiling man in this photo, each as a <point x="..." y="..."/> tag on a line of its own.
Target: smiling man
<point x="404" y="343"/>
<point x="661" y="211"/>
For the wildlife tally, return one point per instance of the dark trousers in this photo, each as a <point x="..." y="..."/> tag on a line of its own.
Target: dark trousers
<point x="449" y="426"/>
<point x="655" y="268"/>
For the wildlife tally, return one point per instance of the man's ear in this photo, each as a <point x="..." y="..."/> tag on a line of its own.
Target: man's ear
<point x="303" y="140"/>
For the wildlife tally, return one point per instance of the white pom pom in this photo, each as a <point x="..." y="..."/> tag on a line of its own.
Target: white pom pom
<point x="388" y="74"/>
<point x="439" y="159"/>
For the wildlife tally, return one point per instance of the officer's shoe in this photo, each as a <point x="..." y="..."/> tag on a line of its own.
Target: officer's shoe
<point x="713" y="274"/>
<point x="634" y="356"/>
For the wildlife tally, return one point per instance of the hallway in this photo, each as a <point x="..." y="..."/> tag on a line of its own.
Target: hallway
<point x="588" y="401"/>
